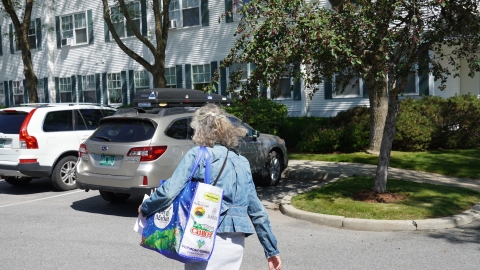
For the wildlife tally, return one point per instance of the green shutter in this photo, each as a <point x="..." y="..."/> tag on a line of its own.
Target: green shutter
<point x="98" y="90"/>
<point x="105" y="90"/>
<point x="45" y="90"/>
<point x="123" y="77"/>
<point x="57" y="29"/>
<point x="5" y="88"/>
<point x="223" y="81"/>
<point x="131" y="84"/>
<point x="213" y="68"/>
<point x="263" y="90"/>
<point x="74" y="89"/>
<point x="25" y="92"/>
<point x="90" y="27"/>
<point x="143" y="7"/>
<point x="106" y="32"/>
<point x="205" y="13"/>
<point x="229" y="8"/>
<point x="297" y="90"/>
<point x="10" y="85"/>
<point x="10" y="35"/>
<point x="80" y="88"/>
<point x="365" y="90"/>
<point x="188" y="76"/>
<point x="179" y="76"/>
<point x="1" y="43"/>
<point x="327" y="87"/>
<point x="57" y="90"/>
<point x="38" y="29"/>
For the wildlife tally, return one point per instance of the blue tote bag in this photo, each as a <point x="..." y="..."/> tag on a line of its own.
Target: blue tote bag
<point x="185" y="231"/>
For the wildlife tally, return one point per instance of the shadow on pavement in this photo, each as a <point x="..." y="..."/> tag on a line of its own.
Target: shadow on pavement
<point x="97" y="205"/>
<point x="38" y="185"/>
<point x="469" y="233"/>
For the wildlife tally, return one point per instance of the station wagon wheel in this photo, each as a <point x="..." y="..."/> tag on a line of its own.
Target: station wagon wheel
<point x="114" y="197"/>
<point x="273" y="169"/>
<point x="18" y="181"/>
<point x="64" y="176"/>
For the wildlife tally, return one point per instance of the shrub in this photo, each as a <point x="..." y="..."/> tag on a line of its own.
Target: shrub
<point x="261" y="114"/>
<point x="354" y="137"/>
<point x="319" y="140"/>
<point x="293" y="128"/>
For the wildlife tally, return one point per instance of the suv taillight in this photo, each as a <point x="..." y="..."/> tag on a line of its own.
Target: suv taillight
<point x="148" y="153"/>
<point x="27" y="141"/>
<point x="82" y="150"/>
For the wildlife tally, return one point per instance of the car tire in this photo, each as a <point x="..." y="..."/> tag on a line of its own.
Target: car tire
<point x="18" y="181"/>
<point x="64" y="176"/>
<point x="113" y="197"/>
<point x="273" y="169"/>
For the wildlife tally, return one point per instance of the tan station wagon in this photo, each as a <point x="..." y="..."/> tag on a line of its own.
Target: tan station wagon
<point x="132" y="150"/>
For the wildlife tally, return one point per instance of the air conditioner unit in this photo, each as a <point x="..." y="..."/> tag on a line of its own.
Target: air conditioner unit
<point x="173" y="24"/>
<point x="67" y="41"/>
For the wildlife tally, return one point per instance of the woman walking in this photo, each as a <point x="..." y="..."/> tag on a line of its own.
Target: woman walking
<point x="240" y="207"/>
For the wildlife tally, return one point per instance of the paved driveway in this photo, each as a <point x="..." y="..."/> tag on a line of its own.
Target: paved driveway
<point x="41" y="228"/>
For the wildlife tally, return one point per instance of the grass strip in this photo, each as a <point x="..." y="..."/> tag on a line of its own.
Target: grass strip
<point x="423" y="200"/>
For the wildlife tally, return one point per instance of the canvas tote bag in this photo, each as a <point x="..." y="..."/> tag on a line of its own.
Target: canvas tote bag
<point x="185" y="231"/>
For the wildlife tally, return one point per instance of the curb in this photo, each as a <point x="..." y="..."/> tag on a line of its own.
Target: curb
<point x="466" y="217"/>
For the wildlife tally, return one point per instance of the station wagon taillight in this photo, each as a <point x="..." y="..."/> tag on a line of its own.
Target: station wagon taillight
<point x="148" y="153"/>
<point x="82" y="150"/>
<point x="27" y="141"/>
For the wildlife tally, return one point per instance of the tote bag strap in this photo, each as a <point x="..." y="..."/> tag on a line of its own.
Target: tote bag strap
<point x="221" y="170"/>
<point x="202" y="151"/>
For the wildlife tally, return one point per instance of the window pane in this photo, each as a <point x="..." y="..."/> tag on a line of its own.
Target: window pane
<point x="67" y="27"/>
<point x="178" y="130"/>
<point x="129" y="29"/>
<point x="284" y="88"/>
<point x="119" y="29"/>
<point x="65" y="97"/>
<point x="410" y="87"/>
<point x="352" y="89"/>
<point x="32" y="41"/>
<point x="81" y="35"/>
<point x="191" y="16"/>
<point x="58" y="121"/>
<point x="80" y="21"/>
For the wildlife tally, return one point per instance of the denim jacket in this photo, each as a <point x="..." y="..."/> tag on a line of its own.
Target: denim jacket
<point x="240" y="207"/>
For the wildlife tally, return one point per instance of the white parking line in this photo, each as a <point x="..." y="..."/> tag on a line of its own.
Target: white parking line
<point x="77" y="191"/>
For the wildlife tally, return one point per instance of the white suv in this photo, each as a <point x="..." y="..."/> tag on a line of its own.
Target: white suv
<point x="41" y="140"/>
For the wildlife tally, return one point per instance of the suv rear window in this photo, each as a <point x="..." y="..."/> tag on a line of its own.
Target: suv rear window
<point x="10" y="122"/>
<point x="124" y="130"/>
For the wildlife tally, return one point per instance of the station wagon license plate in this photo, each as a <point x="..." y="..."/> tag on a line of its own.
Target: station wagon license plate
<point x="144" y="104"/>
<point x="2" y="143"/>
<point x="106" y="160"/>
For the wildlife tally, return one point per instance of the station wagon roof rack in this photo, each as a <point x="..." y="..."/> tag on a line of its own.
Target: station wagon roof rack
<point x="176" y="97"/>
<point x="61" y="104"/>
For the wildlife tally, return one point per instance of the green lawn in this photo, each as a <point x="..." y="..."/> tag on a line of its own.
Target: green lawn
<point x="423" y="200"/>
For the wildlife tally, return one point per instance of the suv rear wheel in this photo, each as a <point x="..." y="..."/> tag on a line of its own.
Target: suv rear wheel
<point x="64" y="176"/>
<point x="18" y="181"/>
<point x="273" y="169"/>
<point x="114" y="197"/>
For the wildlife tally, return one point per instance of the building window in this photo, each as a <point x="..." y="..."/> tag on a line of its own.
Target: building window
<point x="122" y="28"/>
<point x="17" y="89"/>
<point x="142" y="81"/>
<point x="2" y="95"/>
<point x="65" y="88"/>
<point x="32" y="35"/>
<point x="114" y="88"/>
<point x="237" y="6"/>
<point x="201" y="76"/>
<point x="352" y="90"/>
<point x="41" y="91"/>
<point x="184" y="13"/>
<point x="89" y="89"/>
<point x="245" y="74"/>
<point x="74" y="29"/>
<point x="170" y="77"/>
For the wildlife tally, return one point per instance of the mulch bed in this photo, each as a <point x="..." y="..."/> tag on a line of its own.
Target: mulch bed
<point x="375" y="197"/>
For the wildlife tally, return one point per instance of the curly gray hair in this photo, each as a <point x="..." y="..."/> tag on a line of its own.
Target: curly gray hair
<point x="212" y="126"/>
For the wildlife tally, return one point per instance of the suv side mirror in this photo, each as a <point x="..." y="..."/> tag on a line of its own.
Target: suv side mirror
<point x="255" y="133"/>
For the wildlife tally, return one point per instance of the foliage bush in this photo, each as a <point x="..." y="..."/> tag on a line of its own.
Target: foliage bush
<point x="294" y="128"/>
<point x="264" y="115"/>
<point x="320" y="140"/>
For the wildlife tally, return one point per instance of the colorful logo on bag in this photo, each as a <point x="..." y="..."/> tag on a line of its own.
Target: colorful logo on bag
<point x="211" y="197"/>
<point x="202" y="230"/>
<point x="163" y="218"/>
<point x="200" y="243"/>
<point x="199" y="211"/>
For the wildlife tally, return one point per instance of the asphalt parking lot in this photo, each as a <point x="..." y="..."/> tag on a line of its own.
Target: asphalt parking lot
<point x="41" y="228"/>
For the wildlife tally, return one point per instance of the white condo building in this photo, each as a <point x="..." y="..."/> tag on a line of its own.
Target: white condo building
<point x="76" y="59"/>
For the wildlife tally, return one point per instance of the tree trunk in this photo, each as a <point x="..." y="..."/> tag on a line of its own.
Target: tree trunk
<point x="30" y="77"/>
<point x="386" y="146"/>
<point x="158" y="74"/>
<point x="378" y="99"/>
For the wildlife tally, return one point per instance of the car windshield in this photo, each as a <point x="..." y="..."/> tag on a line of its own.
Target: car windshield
<point x="124" y="130"/>
<point x="10" y="122"/>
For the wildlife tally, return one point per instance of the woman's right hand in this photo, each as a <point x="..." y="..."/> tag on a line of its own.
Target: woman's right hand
<point x="274" y="263"/>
